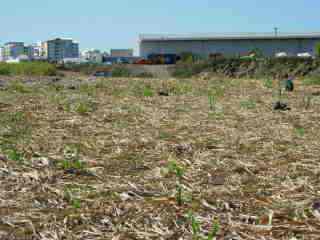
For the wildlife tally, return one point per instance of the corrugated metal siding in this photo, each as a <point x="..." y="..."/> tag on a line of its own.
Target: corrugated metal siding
<point x="228" y="47"/>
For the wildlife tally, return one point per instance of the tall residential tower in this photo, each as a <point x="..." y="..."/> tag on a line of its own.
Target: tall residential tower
<point x="58" y="49"/>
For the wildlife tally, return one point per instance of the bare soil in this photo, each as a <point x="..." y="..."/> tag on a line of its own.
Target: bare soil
<point x="88" y="159"/>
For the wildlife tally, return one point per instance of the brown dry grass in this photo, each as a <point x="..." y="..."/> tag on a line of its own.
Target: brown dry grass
<point x="89" y="162"/>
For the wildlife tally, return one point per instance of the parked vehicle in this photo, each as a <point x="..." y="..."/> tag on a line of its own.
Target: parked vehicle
<point x="143" y="62"/>
<point x="216" y="56"/>
<point x="281" y="54"/>
<point x="102" y="74"/>
<point x="163" y="58"/>
<point x="304" y="55"/>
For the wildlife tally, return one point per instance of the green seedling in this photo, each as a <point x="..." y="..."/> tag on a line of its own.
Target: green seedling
<point x="196" y="229"/>
<point x="15" y="155"/>
<point x="76" y="203"/>
<point x="195" y="226"/>
<point x="179" y="172"/>
<point x="214" y="230"/>
<point x="85" y="106"/>
<point x="68" y="196"/>
<point x="300" y="131"/>
<point x="71" y="159"/>
<point x="212" y="102"/>
<point x="248" y="104"/>
<point x="147" y="92"/>
<point x="307" y="102"/>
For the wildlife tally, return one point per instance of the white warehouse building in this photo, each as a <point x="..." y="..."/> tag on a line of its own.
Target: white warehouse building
<point x="229" y="44"/>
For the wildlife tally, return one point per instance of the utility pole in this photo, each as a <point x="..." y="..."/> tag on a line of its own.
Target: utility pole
<point x="276" y="31"/>
<point x="276" y="35"/>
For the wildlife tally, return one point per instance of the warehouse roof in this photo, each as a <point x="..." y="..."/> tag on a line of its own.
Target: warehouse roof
<point x="227" y="36"/>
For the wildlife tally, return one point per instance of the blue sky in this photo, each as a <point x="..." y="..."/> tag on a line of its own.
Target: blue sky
<point x="106" y="24"/>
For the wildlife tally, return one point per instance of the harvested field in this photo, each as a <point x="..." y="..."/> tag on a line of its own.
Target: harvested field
<point x="158" y="159"/>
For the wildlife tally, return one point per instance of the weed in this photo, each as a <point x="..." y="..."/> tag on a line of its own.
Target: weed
<point x="71" y="199"/>
<point x="15" y="127"/>
<point x="71" y="159"/>
<point x="120" y="124"/>
<point x="218" y="90"/>
<point x="28" y="68"/>
<point x="102" y="84"/>
<point x="187" y="70"/>
<point x="182" y="88"/>
<point x="120" y="71"/>
<point x="144" y="75"/>
<point x="72" y="164"/>
<point x="307" y="102"/>
<point x="177" y="87"/>
<point x="195" y="226"/>
<point x="80" y="105"/>
<point x="88" y="89"/>
<point x="268" y="83"/>
<point x="216" y="114"/>
<point x="214" y="230"/>
<point x="77" y="164"/>
<point x="148" y="92"/>
<point x="143" y="90"/>
<point x="183" y="72"/>
<point x="76" y="203"/>
<point x="248" y="104"/>
<point x="300" y="131"/>
<point x="164" y="135"/>
<point x="314" y="80"/>
<point x="65" y="164"/>
<point x="14" y="155"/>
<point x="183" y="108"/>
<point x="84" y="107"/>
<point x="17" y="86"/>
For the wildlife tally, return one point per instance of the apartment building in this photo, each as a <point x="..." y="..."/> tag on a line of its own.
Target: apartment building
<point x="93" y="56"/>
<point x="13" y="50"/>
<point x="1" y="54"/>
<point x="58" y="49"/>
<point x="29" y="51"/>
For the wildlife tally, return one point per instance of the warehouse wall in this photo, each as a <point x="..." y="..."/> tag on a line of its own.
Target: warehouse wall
<point x="228" y="47"/>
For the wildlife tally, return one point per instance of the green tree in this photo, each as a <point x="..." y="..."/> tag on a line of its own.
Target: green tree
<point x="318" y="49"/>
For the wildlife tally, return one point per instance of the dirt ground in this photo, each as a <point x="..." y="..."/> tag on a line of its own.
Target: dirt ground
<point x="158" y="159"/>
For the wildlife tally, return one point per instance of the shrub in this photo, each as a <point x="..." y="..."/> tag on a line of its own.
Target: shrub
<point x="28" y="68"/>
<point x="187" y="70"/>
<point x="144" y="75"/>
<point x="182" y="72"/>
<point x="187" y="57"/>
<point x="85" y="68"/>
<point x="120" y="71"/>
